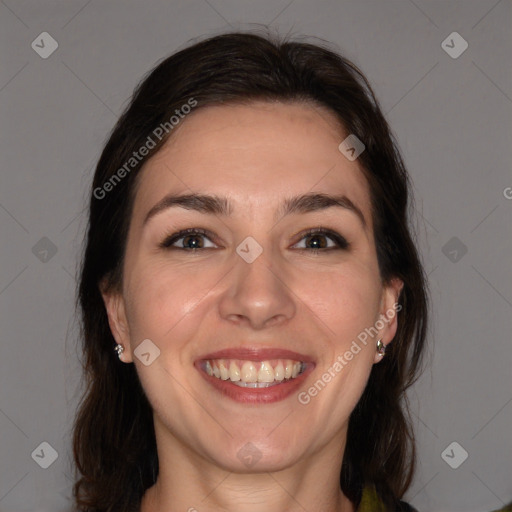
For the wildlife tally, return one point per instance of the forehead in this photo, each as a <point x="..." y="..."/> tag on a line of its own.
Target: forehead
<point x="254" y="154"/>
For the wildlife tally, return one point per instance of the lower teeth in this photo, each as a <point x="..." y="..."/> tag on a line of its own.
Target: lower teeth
<point x="256" y="384"/>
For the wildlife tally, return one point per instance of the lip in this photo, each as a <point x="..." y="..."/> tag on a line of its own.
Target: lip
<point x="256" y="395"/>
<point x="256" y="354"/>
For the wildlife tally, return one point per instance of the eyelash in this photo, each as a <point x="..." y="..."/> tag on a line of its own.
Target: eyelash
<point x="342" y="244"/>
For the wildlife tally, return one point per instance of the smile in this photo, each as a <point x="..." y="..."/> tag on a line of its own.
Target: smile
<point x="253" y="374"/>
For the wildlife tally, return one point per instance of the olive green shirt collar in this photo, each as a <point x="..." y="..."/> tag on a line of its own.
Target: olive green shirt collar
<point x="370" y="501"/>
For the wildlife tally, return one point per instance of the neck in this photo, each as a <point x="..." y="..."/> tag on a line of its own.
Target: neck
<point x="188" y="482"/>
<point x="245" y="493"/>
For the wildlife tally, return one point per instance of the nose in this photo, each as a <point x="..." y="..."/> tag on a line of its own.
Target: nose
<point x="258" y="295"/>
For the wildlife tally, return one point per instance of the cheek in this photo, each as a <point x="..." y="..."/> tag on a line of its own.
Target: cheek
<point x="162" y="296"/>
<point x="346" y="299"/>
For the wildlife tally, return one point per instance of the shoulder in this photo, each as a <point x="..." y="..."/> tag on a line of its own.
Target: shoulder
<point x="405" y="507"/>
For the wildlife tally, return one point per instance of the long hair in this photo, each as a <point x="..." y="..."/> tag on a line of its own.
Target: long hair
<point x="114" y="444"/>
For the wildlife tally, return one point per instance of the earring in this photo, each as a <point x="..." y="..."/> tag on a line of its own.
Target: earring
<point x="119" y="349"/>
<point x="381" y="348"/>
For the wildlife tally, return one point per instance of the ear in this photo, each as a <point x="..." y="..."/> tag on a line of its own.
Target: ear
<point x="115" y="306"/>
<point x="389" y="309"/>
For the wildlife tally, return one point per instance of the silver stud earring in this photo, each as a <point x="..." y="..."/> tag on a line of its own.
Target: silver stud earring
<point x="119" y="349"/>
<point x="381" y="348"/>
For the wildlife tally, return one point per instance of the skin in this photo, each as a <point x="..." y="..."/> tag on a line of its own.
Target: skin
<point x="191" y="303"/>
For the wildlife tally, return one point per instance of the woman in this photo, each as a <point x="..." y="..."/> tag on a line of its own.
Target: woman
<point x="253" y="303"/>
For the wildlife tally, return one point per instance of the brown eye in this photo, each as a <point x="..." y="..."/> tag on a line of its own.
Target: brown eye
<point x="194" y="239"/>
<point x="187" y="240"/>
<point x="318" y="239"/>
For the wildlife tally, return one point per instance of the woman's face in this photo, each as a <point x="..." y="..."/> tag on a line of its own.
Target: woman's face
<point x="256" y="296"/>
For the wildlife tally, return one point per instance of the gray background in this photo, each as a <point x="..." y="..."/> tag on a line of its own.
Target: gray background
<point x="452" y="117"/>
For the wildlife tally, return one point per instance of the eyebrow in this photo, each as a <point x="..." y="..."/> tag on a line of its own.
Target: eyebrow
<point x="215" y="205"/>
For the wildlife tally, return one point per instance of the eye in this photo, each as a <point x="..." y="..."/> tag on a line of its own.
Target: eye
<point x="317" y="237"/>
<point x="190" y="239"/>
<point x="193" y="239"/>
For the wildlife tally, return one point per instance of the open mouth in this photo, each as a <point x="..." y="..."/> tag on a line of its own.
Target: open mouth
<point x="254" y="374"/>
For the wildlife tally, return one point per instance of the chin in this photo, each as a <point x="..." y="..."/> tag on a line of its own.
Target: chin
<point x="256" y="456"/>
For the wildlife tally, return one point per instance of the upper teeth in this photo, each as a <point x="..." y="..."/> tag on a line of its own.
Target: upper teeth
<point x="252" y="371"/>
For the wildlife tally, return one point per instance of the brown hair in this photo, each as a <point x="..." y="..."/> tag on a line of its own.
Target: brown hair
<point x="113" y="438"/>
